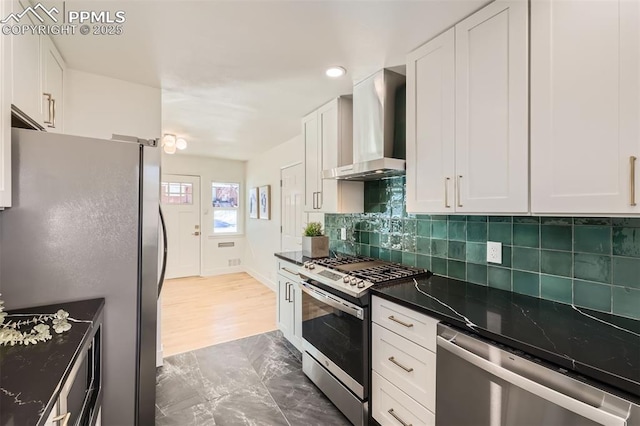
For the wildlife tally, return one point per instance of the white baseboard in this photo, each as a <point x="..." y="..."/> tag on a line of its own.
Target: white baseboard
<point x="262" y="278"/>
<point x="222" y="271"/>
<point x="160" y="356"/>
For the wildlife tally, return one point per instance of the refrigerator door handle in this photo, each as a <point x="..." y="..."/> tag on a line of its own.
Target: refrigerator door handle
<point x="164" y="252"/>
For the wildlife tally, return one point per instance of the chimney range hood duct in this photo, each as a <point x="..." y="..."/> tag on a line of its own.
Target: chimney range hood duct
<point x="375" y="128"/>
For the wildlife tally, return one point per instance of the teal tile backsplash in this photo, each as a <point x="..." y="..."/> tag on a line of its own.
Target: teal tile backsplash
<point x="591" y="262"/>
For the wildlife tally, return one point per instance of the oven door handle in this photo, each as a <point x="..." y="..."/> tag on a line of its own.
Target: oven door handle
<point x="341" y="305"/>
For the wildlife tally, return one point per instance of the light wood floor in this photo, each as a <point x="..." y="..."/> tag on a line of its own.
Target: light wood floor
<point x="199" y="312"/>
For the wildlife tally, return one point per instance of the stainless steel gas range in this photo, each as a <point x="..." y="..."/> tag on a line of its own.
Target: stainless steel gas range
<point x="335" y="325"/>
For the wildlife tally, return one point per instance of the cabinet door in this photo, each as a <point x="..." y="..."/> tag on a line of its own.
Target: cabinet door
<point x="52" y="84"/>
<point x="585" y="90"/>
<point x="329" y="143"/>
<point x="311" y="161"/>
<point x="26" y="66"/>
<point x="431" y="126"/>
<point x="296" y="295"/>
<point x="492" y="135"/>
<point x="5" y="111"/>
<point x="285" y="307"/>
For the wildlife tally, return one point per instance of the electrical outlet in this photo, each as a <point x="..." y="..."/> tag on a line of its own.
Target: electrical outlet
<point x="494" y="252"/>
<point x="343" y="233"/>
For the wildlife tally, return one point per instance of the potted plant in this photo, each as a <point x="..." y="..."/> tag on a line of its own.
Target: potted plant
<point x="314" y="242"/>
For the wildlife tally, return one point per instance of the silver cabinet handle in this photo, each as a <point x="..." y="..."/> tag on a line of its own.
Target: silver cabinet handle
<point x="407" y="369"/>
<point x="286" y="291"/>
<point x="320" y="200"/>
<point x="50" y="121"/>
<point x="395" y="416"/>
<point x="196" y="233"/>
<point x="62" y="417"/>
<point x="446" y="193"/>
<point x="289" y="288"/>
<point x="632" y="164"/>
<point x="406" y="324"/>
<point x="53" y="114"/>
<point x="458" y="190"/>
<point x="284" y="268"/>
<point x="315" y="200"/>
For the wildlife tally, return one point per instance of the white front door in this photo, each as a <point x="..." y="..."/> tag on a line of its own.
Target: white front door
<point x="180" y="197"/>
<point x="292" y="200"/>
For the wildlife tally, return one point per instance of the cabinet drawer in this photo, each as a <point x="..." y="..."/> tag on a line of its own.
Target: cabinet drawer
<point x="288" y="270"/>
<point x="408" y="366"/>
<point x="391" y="406"/>
<point x="417" y="327"/>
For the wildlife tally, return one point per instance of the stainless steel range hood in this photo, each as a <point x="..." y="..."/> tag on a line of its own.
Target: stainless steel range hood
<point x="374" y="130"/>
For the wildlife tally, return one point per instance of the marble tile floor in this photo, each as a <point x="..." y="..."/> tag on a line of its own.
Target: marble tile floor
<point x="255" y="381"/>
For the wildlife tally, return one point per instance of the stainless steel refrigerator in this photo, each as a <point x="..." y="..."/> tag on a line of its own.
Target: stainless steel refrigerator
<point x="84" y="224"/>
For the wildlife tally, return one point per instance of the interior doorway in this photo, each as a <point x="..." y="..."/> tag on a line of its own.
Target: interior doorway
<point x="292" y="204"/>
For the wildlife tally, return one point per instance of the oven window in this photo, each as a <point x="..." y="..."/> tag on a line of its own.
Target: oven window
<point x="338" y="335"/>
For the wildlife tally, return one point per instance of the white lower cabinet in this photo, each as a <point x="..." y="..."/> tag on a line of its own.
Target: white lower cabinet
<point x="403" y="352"/>
<point x="289" y="303"/>
<point x="391" y="406"/>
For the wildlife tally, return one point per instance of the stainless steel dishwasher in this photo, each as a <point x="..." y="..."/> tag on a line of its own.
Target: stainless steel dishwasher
<point x="478" y="383"/>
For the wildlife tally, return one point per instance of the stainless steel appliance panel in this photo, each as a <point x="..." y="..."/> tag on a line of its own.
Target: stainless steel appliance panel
<point x="481" y="384"/>
<point x="74" y="233"/>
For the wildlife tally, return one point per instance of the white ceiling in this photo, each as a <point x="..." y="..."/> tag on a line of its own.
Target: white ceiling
<point x="237" y="76"/>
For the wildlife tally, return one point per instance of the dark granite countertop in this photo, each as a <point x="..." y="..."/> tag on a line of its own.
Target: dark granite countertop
<point x="598" y="346"/>
<point x="293" y="256"/>
<point x="31" y="376"/>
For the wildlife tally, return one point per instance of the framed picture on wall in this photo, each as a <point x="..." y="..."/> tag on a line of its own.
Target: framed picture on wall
<point x="253" y="203"/>
<point x="264" y="202"/>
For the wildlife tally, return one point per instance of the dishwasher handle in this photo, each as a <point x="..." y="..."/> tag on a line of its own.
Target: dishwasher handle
<point x="581" y="408"/>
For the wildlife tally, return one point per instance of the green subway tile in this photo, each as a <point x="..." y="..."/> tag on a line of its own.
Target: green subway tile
<point x="439" y="265"/>
<point x="556" y="237"/>
<point x="526" y="283"/>
<point x="396" y="256"/>
<point x="409" y="226"/>
<point x="457" y="218"/>
<point x="556" y="263"/>
<point x="556" y="221"/>
<point x="364" y="237"/>
<point x="385" y="254"/>
<point x="626" y="241"/>
<point x="423" y="216"/>
<point x="408" y="259"/>
<point x="439" y="217"/>
<point x="457" y="270"/>
<point x="629" y="222"/>
<point x="476" y="218"/>
<point x="591" y="295"/>
<point x="423" y="261"/>
<point x="592" y="267"/>
<point x="365" y="250"/>
<point x="374" y="239"/>
<point x="500" y="232"/>
<point x="499" y="278"/>
<point x="423" y="245"/>
<point x="526" y="259"/>
<point x="477" y="274"/>
<point x="526" y="219"/>
<point x="374" y="252"/>
<point x="592" y="221"/>
<point x="409" y="243"/>
<point x="592" y="239"/>
<point x="626" y="271"/>
<point x="506" y="256"/>
<point x="457" y="231"/>
<point x="503" y="219"/>
<point x="477" y="232"/>
<point x="477" y="253"/>
<point x="423" y="228"/>
<point x="438" y="229"/>
<point x="457" y="250"/>
<point x="439" y="248"/>
<point x="556" y="288"/>
<point x="626" y="302"/>
<point x="525" y="235"/>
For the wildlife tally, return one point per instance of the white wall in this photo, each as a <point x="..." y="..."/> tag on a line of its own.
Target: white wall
<point x="215" y="260"/>
<point x="98" y="106"/>
<point x="263" y="236"/>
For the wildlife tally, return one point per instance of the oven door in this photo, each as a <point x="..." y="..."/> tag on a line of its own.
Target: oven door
<point x="334" y="333"/>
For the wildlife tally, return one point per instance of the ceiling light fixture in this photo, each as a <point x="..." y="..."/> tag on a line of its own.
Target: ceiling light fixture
<point x="335" y="72"/>
<point x="170" y="143"/>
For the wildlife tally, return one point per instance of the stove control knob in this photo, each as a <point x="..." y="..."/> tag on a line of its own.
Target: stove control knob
<point x="360" y="284"/>
<point x="353" y="282"/>
<point x="312" y="266"/>
<point x="346" y="279"/>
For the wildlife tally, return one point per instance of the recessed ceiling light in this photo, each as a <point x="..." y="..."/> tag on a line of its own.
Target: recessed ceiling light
<point x="336" y="72"/>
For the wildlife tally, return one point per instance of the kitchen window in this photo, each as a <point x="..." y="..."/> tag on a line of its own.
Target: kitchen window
<point x="225" y="198"/>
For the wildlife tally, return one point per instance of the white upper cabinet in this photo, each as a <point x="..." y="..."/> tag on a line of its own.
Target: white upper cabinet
<point x="585" y="106"/>
<point x="328" y="135"/>
<point x="53" y="69"/>
<point x="467" y="116"/>
<point x="431" y="125"/>
<point x="5" y="112"/>
<point x="492" y="132"/>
